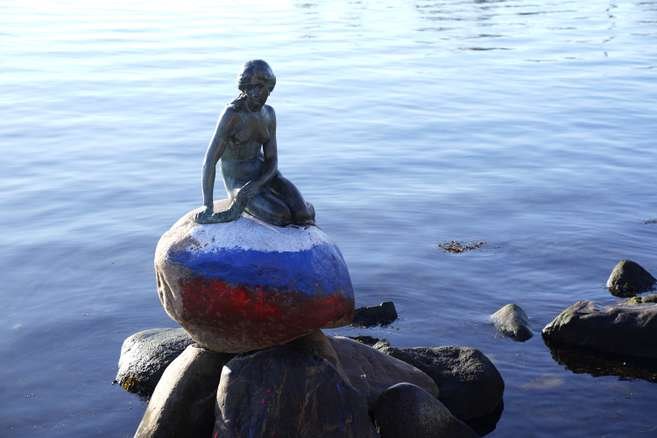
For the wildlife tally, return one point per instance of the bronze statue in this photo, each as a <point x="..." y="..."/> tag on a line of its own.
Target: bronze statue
<point x="245" y="141"/>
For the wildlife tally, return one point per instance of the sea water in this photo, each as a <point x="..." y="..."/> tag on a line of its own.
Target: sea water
<point x="528" y="125"/>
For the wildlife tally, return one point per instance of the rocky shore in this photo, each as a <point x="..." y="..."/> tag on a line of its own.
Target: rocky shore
<point x="251" y="359"/>
<point x="316" y="385"/>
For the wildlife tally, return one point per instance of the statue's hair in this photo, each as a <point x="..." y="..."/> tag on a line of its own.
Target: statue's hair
<point x="257" y="68"/>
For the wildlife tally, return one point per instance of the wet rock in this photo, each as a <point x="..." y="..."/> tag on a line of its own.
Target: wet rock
<point x="624" y="329"/>
<point x="468" y="382"/>
<point x="406" y="410"/>
<point x="510" y="320"/>
<point x="368" y="340"/>
<point x="383" y="314"/>
<point x="284" y="391"/>
<point x="629" y="278"/>
<point x="146" y="354"/>
<point x="182" y="404"/>
<point x="245" y="285"/>
<point x="371" y="372"/>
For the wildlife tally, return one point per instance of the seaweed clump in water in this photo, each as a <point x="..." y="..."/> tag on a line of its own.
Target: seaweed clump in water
<point x="457" y="247"/>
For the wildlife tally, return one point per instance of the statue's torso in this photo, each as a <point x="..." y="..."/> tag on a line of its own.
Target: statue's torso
<point x="249" y="132"/>
<point x="242" y="159"/>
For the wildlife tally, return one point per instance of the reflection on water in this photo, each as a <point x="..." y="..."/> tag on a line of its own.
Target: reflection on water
<point x="597" y="364"/>
<point x="528" y="125"/>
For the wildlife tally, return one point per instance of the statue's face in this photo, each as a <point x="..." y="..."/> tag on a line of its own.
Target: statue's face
<point x="256" y="93"/>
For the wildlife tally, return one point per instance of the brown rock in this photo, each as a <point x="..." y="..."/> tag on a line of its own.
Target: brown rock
<point x="182" y="404"/>
<point x="371" y="371"/>
<point x="469" y="384"/>
<point x="287" y="391"/>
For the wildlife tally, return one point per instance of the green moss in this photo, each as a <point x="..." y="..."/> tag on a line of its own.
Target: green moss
<point x="129" y="384"/>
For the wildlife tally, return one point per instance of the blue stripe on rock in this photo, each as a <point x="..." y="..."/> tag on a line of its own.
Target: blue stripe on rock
<point x="318" y="270"/>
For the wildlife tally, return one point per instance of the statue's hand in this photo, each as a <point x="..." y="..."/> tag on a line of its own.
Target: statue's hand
<point x="206" y="215"/>
<point x="203" y="215"/>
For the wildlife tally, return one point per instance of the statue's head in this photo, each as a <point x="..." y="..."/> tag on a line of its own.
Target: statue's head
<point x="256" y="82"/>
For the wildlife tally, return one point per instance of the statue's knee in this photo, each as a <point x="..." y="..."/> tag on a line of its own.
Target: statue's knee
<point x="305" y="215"/>
<point x="270" y="210"/>
<point x="280" y="212"/>
<point x="285" y="215"/>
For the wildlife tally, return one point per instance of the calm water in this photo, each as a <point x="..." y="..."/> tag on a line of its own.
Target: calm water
<point x="528" y="124"/>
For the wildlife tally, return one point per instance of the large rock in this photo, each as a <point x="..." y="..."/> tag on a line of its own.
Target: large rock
<point x="246" y="285"/>
<point x="146" y="354"/>
<point x="468" y="382"/>
<point x="285" y="391"/>
<point x="511" y="321"/>
<point x="406" y="410"/>
<point x="183" y="402"/>
<point x="623" y="329"/>
<point x="629" y="278"/>
<point x="371" y="371"/>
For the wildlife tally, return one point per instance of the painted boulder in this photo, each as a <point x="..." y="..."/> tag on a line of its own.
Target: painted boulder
<point x="246" y="285"/>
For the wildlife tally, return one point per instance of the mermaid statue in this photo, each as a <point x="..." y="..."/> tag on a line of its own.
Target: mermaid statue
<point x="245" y="142"/>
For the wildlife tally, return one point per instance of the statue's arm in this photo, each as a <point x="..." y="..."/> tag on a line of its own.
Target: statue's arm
<point x="215" y="150"/>
<point x="270" y="151"/>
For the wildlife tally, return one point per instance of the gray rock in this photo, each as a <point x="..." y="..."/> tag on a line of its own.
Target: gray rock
<point x="406" y="410"/>
<point x="146" y="354"/>
<point x="371" y="372"/>
<point x="287" y="392"/>
<point x="629" y="278"/>
<point x="468" y="382"/>
<point x="511" y="321"/>
<point x="624" y="329"/>
<point x="182" y="404"/>
<point x="383" y="314"/>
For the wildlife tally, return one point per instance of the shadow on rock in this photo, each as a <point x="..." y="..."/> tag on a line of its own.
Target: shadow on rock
<point x="486" y="424"/>
<point x="406" y="410"/>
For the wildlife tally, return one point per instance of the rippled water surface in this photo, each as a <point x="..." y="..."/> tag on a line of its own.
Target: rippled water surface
<point x="530" y="125"/>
